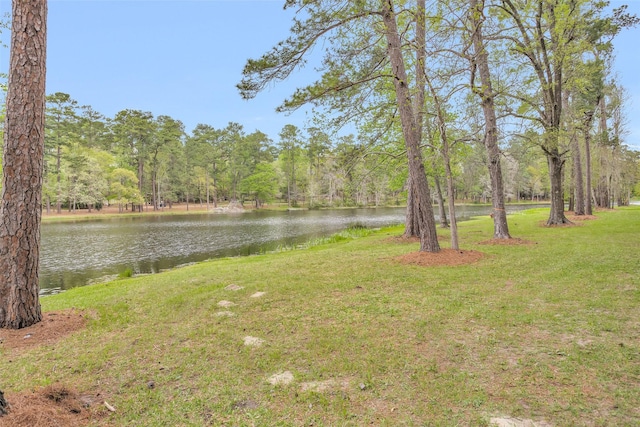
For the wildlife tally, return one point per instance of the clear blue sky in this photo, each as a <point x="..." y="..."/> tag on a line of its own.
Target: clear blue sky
<point x="184" y="58"/>
<point x="179" y="58"/>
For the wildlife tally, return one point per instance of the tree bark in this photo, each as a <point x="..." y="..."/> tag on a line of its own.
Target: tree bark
<point x="59" y="185"/>
<point x="579" y="207"/>
<point x="500" y="225"/>
<point x="446" y="157"/>
<point x="140" y="175"/>
<point x="603" y="185"/>
<point x="4" y="406"/>
<point x="214" y="185"/>
<point x="442" y="213"/>
<point x="602" y="190"/>
<point x="450" y="191"/>
<point x="154" y="198"/>
<point x="417" y="176"/>
<point x="411" y="225"/>
<point x="571" y="206"/>
<point x="556" y="213"/>
<point x="206" y="178"/>
<point x="576" y="183"/>
<point x="588" y="205"/>
<point x="21" y="204"/>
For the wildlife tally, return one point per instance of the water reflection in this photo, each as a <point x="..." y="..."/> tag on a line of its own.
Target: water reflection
<point x="76" y="253"/>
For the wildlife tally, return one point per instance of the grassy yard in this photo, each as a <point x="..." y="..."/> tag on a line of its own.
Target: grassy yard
<point x="547" y="331"/>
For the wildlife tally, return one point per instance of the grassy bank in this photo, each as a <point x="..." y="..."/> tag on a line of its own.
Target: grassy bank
<point x="544" y="331"/>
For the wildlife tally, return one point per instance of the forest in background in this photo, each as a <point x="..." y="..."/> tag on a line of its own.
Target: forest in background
<point x="136" y="159"/>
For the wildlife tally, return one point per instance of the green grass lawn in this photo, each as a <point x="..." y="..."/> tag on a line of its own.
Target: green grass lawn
<point x="546" y="331"/>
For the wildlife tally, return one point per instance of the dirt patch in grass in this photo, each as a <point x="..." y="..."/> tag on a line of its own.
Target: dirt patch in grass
<point x="54" y="405"/>
<point x="54" y="326"/>
<point x="446" y="257"/>
<point x="544" y="224"/>
<point x="514" y="241"/>
<point x="575" y="220"/>
<point x="573" y="217"/>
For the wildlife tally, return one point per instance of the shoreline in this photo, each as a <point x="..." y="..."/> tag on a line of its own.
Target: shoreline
<point x="181" y="209"/>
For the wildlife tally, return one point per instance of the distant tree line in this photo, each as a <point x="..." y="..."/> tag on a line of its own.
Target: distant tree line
<point x="137" y="161"/>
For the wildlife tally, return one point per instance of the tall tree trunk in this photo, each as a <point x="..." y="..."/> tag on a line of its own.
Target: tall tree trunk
<point x="21" y="206"/>
<point x="140" y="176"/>
<point x="450" y="192"/>
<point x="602" y="199"/>
<point x="412" y="226"/>
<point x="214" y="185"/>
<point x="500" y="225"/>
<point x="556" y="213"/>
<point x="603" y="188"/>
<point x="293" y="179"/>
<point x="154" y="196"/>
<point x="158" y="195"/>
<point x="206" y="178"/>
<point x="588" y="119"/>
<point x="333" y="191"/>
<point x="417" y="176"/>
<point x="442" y="213"/>
<point x="446" y="157"/>
<point x="578" y="182"/>
<point x="59" y="185"/>
<point x="610" y="192"/>
<point x="441" y="210"/>
<point x="604" y="131"/>
<point x="571" y="206"/>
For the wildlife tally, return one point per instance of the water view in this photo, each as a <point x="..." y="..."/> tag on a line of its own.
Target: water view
<point x="77" y="253"/>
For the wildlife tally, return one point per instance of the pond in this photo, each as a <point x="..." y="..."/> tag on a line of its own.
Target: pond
<point x="80" y="252"/>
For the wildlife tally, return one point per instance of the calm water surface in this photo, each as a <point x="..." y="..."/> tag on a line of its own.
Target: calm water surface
<point x="76" y="253"/>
